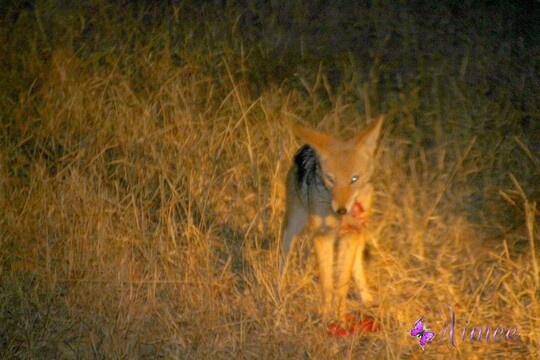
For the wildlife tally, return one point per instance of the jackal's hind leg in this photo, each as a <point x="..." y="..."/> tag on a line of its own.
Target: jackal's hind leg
<point x="296" y="218"/>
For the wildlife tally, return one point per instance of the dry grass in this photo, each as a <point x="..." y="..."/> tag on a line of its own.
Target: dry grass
<point x="142" y="161"/>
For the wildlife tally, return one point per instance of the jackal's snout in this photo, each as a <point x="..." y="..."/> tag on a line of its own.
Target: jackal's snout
<point x="342" y="199"/>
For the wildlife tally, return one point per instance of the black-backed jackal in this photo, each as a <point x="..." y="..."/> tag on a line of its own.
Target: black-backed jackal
<point x="328" y="188"/>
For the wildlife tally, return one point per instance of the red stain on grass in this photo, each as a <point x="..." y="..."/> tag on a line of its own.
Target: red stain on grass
<point x="354" y="324"/>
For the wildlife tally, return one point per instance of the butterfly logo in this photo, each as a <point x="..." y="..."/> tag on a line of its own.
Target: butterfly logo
<point x="423" y="334"/>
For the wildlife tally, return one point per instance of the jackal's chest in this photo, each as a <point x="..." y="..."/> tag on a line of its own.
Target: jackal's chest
<point x="352" y="222"/>
<point x="329" y="223"/>
<point x="355" y="221"/>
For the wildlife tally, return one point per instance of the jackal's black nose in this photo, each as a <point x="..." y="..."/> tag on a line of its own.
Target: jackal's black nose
<point x="341" y="211"/>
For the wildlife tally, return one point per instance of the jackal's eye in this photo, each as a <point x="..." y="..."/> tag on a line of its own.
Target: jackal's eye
<point x="329" y="178"/>
<point x="354" y="179"/>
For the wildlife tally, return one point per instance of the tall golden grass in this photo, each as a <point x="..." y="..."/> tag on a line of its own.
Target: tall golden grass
<point x="142" y="161"/>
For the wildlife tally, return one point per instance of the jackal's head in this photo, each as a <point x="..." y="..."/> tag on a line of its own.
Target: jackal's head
<point x="346" y="166"/>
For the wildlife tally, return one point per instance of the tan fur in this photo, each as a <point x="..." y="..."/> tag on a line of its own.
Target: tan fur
<point x="315" y="223"/>
<point x="331" y="222"/>
<point x="339" y="251"/>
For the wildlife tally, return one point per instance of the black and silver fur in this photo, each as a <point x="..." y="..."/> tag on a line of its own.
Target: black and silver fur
<point x="307" y="194"/>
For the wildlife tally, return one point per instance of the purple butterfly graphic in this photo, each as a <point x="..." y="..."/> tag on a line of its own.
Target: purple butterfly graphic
<point x="422" y="333"/>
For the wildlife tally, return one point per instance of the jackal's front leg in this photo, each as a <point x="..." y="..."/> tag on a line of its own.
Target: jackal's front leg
<point x="359" y="275"/>
<point x="365" y="197"/>
<point x="324" y="250"/>
<point x="346" y="256"/>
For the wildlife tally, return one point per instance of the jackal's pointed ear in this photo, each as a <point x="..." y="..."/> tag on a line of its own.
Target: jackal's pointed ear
<point x="317" y="139"/>
<point x="368" y="139"/>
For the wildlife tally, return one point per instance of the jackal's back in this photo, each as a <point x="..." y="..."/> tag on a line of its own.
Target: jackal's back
<point x="308" y="181"/>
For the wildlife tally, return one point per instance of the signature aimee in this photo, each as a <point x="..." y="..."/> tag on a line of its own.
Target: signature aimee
<point x="475" y="333"/>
